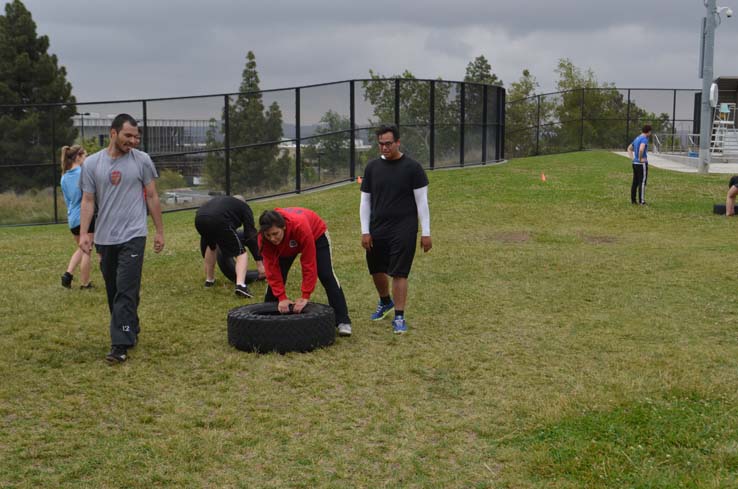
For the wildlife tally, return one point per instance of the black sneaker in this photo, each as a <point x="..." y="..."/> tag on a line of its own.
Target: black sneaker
<point x="118" y="354"/>
<point x="243" y="291"/>
<point x="88" y="286"/>
<point x="67" y="280"/>
<point x="209" y="283"/>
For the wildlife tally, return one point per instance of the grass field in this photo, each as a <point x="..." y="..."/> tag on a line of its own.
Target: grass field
<point x="559" y="338"/>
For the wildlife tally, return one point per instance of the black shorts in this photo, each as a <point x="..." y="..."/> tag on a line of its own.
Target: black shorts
<point x="393" y="256"/>
<point x="75" y="230"/>
<point x="214" y="232"/>
<point x="733" y="181"/>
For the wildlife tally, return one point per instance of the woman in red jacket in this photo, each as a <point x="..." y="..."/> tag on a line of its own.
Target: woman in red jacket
<point x="285" y="233"/>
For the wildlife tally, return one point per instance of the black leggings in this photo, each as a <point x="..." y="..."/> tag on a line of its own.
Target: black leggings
<point x="327" y="278"/>
<point x="640" y="178"/>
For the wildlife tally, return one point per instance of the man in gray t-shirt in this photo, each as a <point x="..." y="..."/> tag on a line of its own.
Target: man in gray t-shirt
<point x="120" y="181"/>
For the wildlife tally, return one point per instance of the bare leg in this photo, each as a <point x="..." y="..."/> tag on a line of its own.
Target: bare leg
<point x="242" y="263"/>
<point x="85" y="266"/>
<point x="76" y="257"/>
<point x="381" y="282"/>
<point x="399" y="292"/>
<point x="210" y="257"/>
<point x="730" y="201"/>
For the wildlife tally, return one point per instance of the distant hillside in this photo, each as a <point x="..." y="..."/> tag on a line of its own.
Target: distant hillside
<point x="305" y="131"/>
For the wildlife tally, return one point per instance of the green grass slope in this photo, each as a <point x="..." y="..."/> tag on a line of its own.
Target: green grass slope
<point x="559" y="337"/>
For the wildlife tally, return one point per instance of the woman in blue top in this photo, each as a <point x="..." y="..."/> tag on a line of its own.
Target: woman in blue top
<point x="72" y="158"/>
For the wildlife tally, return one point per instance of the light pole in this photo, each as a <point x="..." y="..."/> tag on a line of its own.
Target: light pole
<point x="709" y="24"/>
<point x="82" y="124"/>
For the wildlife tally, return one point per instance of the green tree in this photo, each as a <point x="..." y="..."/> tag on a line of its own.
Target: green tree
<point x="30" y="75"/>
<point x="214" y="162"/>
<point x="330" y="153"/>
<point x="593" y="114"/>
<point x="415" y="113"/>
<point x="253" y="169"/>
<point x="522" y="115"/>
<point x="279" y="164"/>
<point x="256" y="167"/>
<point x="480" y="71"/>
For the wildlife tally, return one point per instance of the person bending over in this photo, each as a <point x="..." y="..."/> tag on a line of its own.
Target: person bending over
<point x="217" y="221"/>
<point x="285" y="233"/>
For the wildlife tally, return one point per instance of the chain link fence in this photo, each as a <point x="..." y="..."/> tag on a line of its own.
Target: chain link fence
<point x="598" y="118"/>
<point x="257" y="144"/>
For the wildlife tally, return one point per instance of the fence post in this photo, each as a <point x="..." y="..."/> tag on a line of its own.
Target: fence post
<point x="673" y="121"/>
<point x="500" y="133"/>
<point x="484" y="124"/>
<point x="462" y="116"/>
<point x="227" y="140"/>
<point x="538" y="126"/>
<point x="627" y="121"/>
<point x="581" y="124"/>
<point x="145" y="135"/>
<point x="397" y="102"/>
<point x="53" y="163"/>
<point x="352" y="132"/>
<point x="297" y="142"/>
<point x="432" y="149"/>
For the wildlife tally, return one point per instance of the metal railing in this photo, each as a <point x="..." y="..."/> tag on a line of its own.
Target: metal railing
<point x="264" y="143"/>
<point x="597" y="118"/>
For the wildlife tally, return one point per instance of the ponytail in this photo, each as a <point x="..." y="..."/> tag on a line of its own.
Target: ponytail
<point x="68" y="155"/>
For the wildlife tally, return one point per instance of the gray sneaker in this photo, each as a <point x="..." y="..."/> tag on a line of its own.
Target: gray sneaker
<point x="344" y="329"/>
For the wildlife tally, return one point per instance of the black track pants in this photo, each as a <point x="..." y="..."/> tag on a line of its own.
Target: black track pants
<point x="121" y="267"/>
<point x="640" y="178"/>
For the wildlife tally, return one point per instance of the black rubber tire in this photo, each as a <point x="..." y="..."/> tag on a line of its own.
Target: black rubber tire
<point x="261" y="328"/>
<point x="720" y="209"/>
<point x="227" y="264"/>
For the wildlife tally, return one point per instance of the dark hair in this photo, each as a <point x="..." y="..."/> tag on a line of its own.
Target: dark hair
<point x="269" y="219"/>
<point x="68" y="155"/>
<point x="121" y="119"/>
<point x="646" y="128"/>
<point x="384" y="128"/>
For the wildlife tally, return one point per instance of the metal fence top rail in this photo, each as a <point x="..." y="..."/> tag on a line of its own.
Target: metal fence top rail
<point x="254" y="92"/>
<point x="605" y="89"/>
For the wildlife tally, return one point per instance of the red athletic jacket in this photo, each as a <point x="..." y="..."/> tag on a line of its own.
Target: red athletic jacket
<point x="302" y="228"/>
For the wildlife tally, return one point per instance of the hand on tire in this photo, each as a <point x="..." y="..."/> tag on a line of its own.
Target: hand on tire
<point x="300" y="305"/>
<point x="285" y="306"/>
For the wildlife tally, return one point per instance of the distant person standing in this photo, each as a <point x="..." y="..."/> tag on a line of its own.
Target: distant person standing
<point x="638" y="153"/>
<point x="72" y="158"/>
<point x="394" y="193"/>
<point x="120" y="180"/>
<point x="217" y="221"/>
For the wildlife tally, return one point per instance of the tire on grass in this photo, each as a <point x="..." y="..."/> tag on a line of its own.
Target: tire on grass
<point x="261" y="328"/>
<point x="720" y="209"/>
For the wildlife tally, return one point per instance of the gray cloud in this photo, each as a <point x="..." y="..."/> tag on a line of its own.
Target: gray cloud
<point x="159" y="48"/>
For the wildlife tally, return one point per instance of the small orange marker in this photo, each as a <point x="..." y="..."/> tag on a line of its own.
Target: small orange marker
<point x="543" y="177"/>
<point x="358" y="179"/>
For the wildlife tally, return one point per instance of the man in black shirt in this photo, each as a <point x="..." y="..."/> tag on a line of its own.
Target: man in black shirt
<point x="394" y="193"/>
<point x="217" y="221"/>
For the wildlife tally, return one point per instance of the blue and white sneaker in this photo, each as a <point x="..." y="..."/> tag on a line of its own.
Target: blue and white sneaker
<point x="399" y="326"/>
<point x="383" y="310"/>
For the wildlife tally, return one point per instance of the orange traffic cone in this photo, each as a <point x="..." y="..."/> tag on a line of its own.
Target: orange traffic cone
<point x="543" y="177"/>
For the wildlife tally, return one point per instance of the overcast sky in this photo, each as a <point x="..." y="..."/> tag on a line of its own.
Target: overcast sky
<point x="162" y="48"/>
